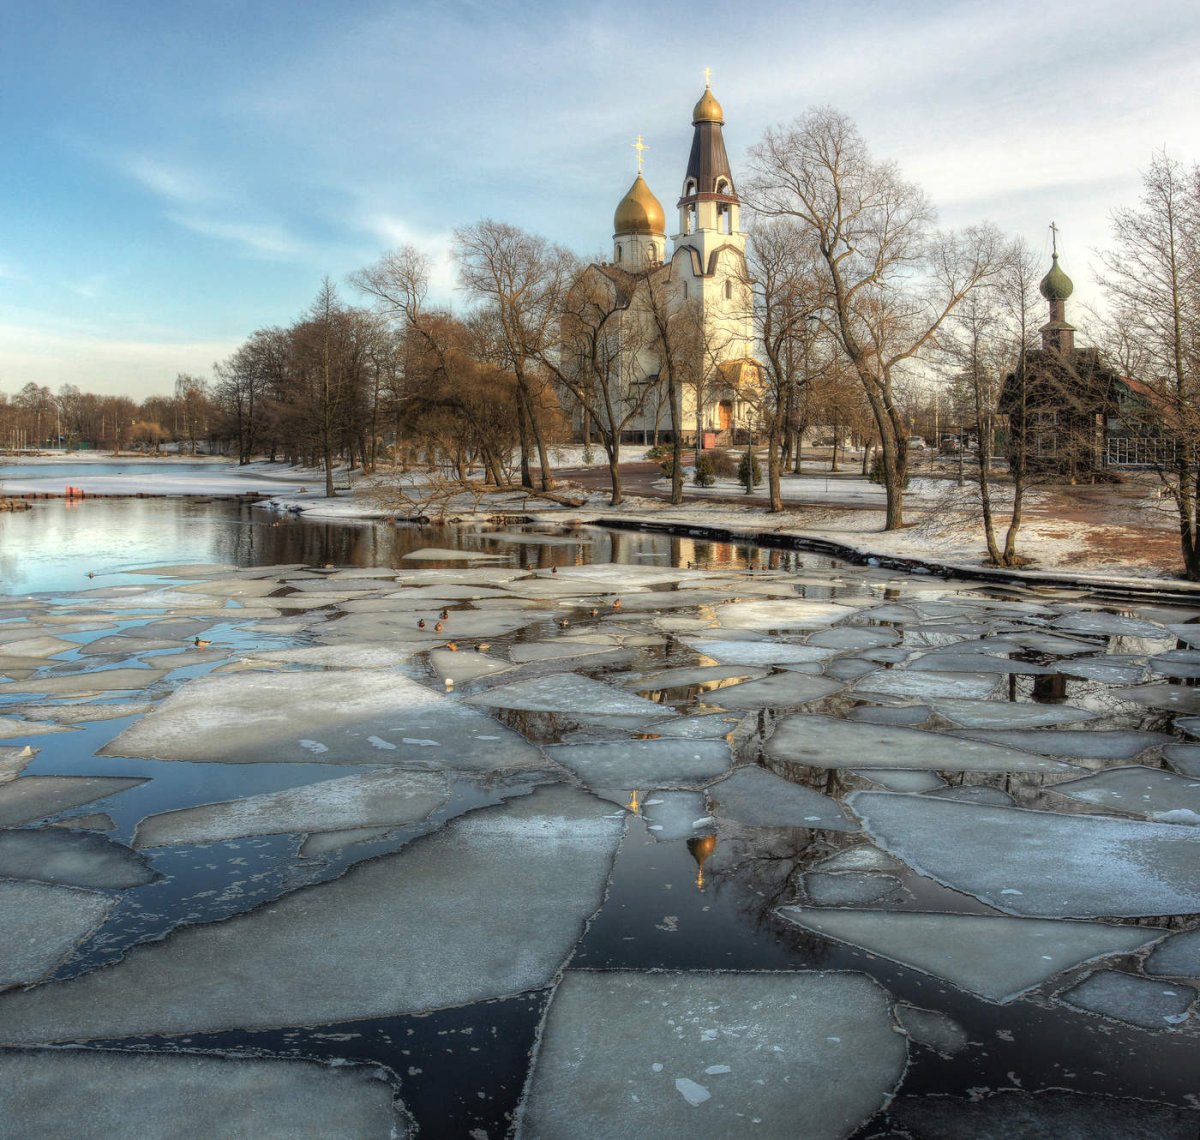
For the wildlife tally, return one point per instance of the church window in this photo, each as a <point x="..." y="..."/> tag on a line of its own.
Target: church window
<point x="691" y="219"/>
<point x="618" y="254"/>
<point x="728" y="290"/>
<point x="685" y="290"/>
<point x="724" y="218"/>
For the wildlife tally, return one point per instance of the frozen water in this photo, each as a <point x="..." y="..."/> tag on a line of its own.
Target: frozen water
<point x="1055" y="865"/>
<point x="80" y="684"/>
<point x="13" y="729"/>
<point x="39" y="926"/>
<point x="861" y="858"/>
<point x="932" y="1028"/>
<point x="445" y="922"/>
<point x="323" y="842"/>
<point x="675" y="815"/>
<point x="1148" y="1003"/>
<point x="35" y="797"/>
<point x="756" y="652"/>
<point x="1177" y="956"/>
<point x="901" y="779"/>
<point x="373" y="799"/>
<point x="14" y="760"/>
<point x="973" y="794"/>
<point x="1007" y="714"/>
<point x="850" y="888"/>
<point x="1180" y="698"/>
<point x="1100" y="744"/>
<point x="854" y="638"/>
<point x="561" y="650"/>
<point x="249" y="718"/>
<point x="824" y="742"/>
<point x="431" y="554"/>
<point x="811" y="1055"/>
<point x="845" y="669"/>
<point x="930" y="683"/>
<point x="95" y="821"/>
<point x="1117" y="672"/>
<point x="645" y="763"/>
<point x="1183" y="758"/>
<point x="1109" y="625"/>
<point x="694" y="727"/>
<point x="758" y="798"/>
<point x="1143" y="791"/>
<point x="1177" y="663"/>
<point x="973" y="663"/>
<point x="465" y="665"/>
<point x="565" y="694"/>
<point x="694" y="675"/>
<point x="39" y="647"/>
<point x="780" y="690"/>
<point x="340" y="656"/>
<point x="909" y="716"/>
<point x="71" y="858"/>
<point x="996" y="957"/>
<point x="798" y="614"/>
<point x="1013" y="1115"/>
<point x="97" y="1096"/>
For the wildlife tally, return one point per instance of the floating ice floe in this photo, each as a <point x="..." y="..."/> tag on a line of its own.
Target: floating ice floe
<point x="1007" y="714"/>
<point x="909" y="716"/>
<point x="323" y="842"/>
<point x="1102" y="670"/>
<point x="1065" y="866"/>
<point x="433" y="554"/>
<point x="902" y="779"/>
<point x="932" y="1028"/>
<point x="126" y="646"/>
<point x="1177" y="956"/>
<point x="340" y="656"/>
<point x="826" y="742"/>
<point x="446" y="922"/>
<point x="565" y="694"/>
<point x="854" y="638"/>
<point x="526" y="652"/>
<point x="758" y="798"/>
<point x="973" y="794"/>
<point x="756" y="652"/>
<point x="850" y="888"/>
<point x="1099" y="744"/>
<point x="92" y="1096"/>
<point x="385" y="799"/>
<point x="645" y="763"/>
<point x="71" y="858"/>
<point x="780" y="690"/>
<point x="685" y="678"/>
<point x="81" y="683"/>
<point x="973" y="663"/>
<point x="39" y="647"/>
<point x="1064" y="1115"/>
<point x="1179" y="698"/>
<point x="11" y="728"/>
<point x="250" y="718"/>
<point x="95" y="821"/>
<point x="1144" y="791"/>
<point x="926" y="684"/>
<point x="13" y="761"/>
<point x="39" y="925"/>
<point x="707" y="727"/>
<point x="460" y="666"/>
<point x="1109" y="625"/>
<point x="1150" y="1004"/>
<point x="1183" y="758"/>
<point x="996" y="957"/>
<point x="798" y="614"/>
<point x="1181" y="663"/>
<point x="35" y="797"/>
<point x="811" y="1055"/>
<point x="675" y="815"/>
<point x="864" y="857"/>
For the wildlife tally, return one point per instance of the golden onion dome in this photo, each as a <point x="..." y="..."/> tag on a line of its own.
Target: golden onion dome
<point x="708" y="110"/>
<point x="639" y="212"/>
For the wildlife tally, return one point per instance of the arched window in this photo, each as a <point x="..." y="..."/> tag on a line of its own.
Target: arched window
<point x="691" y="219"/>
<point x="728" y="289"/>
<point x="618" y="255"/>
<point x="722" y="185"/>
<point x="685" y="290"/>
<point x="689" y="188"/>
<point x="724" y="218"/>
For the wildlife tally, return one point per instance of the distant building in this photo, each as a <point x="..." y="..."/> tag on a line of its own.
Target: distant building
<point x="1060" y="399"/>
<point x="702" y="283"/>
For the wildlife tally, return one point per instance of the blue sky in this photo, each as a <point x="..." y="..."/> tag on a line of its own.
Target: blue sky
<point x="176" y="175"/>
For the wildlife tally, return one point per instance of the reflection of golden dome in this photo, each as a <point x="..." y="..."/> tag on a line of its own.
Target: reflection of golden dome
<point x="701" y="847"/>
<point x="639" y="212"/>
<point x="708" y="110"/>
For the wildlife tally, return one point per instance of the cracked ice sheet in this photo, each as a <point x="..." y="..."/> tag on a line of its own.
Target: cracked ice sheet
<point x="96" y="681"/>
<point x="997" y="957"/>
<point x="444" y="922"/>
<point x="1062" y="866"/>
<point x="13" y="761"/>
<point x="825" y="742"/>
<point x="632" y="1054"/>
<point x="71" y="858"/>
<point x="758" y="798"/>
<point x="1099" y="744"/>
<point x="344" y="655"/>
<point x="798" y="614"/>
<point x="13" y="729"/>
<point x="386" y="799"/>
<point x="568" y="694"/>
<point x="1007" y="714"/>
<point x="97" y="1096"/>
<point x="40" y="924"/>
<point x="1133" y="1000"/>
<point x="1140" y="791"/>
<point x="645" y="763"/>
<point x="35" y="797"/>
<point x="930" y="683"/>
<point x="756" y="652"/>
<point x="357" y="716"/>
<point x="432" y="554"/>
<point x="780" y="690"/>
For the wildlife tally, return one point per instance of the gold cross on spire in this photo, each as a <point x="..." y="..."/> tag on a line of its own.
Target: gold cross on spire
<point x="708" y="77"/>
<point x="641" y="148"/>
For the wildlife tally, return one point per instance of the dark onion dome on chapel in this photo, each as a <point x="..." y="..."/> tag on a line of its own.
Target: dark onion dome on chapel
<point x="639" y="212"/>
<point x="1056" y="285"/>
<point x="708" y="164"/>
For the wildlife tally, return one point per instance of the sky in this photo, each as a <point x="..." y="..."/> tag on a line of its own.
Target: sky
<point x="176" y="176"/>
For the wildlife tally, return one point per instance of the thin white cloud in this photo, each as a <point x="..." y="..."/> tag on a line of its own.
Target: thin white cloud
<point x="268" y="240"/>
<point x="177" y="183"/>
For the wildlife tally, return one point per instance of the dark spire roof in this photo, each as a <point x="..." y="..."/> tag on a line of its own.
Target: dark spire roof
<point x="708" y="161"/>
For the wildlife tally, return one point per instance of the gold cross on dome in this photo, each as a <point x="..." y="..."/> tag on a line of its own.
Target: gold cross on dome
<point x="641" y="148"/>
<point x="708" y="77"/>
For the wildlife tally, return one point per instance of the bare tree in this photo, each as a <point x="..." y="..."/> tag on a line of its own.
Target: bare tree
<point x="890" y="280"/>
<point x="1152" y="276"/>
